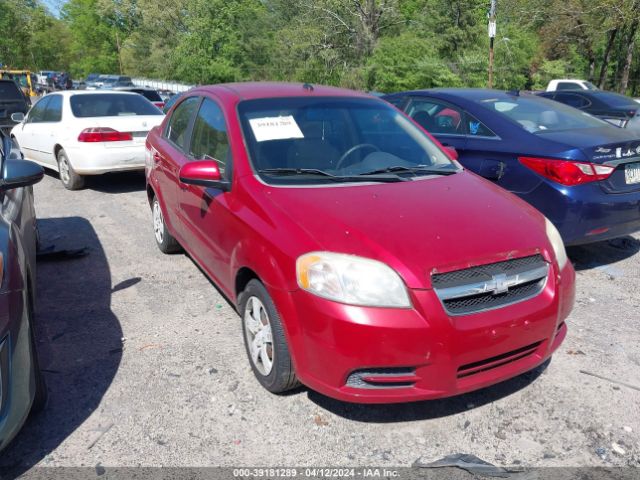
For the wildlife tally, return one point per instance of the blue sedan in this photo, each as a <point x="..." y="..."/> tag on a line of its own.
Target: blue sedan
<point x="579" y="171"/>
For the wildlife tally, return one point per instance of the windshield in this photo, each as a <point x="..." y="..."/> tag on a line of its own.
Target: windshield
<point x="539" y="115"/>
<point x="111" y="105"/>
<point x="590" y="86"/>
<point x="150" y="95"/>
<point x="9" y="91"/>
<point x="311" y="140"/>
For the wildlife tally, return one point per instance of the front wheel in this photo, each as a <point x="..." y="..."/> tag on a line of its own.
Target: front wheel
<point x="265" y="341"/>
<point x="69" y="178"/>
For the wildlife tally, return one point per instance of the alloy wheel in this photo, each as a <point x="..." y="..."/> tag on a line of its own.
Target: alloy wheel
<point x="259" y="337"/>
<point x="63" y="165"/>
<point x="158" y="222"/>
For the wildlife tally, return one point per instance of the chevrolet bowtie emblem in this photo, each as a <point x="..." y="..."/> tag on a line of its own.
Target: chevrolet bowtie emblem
<point x="499" y="284"/>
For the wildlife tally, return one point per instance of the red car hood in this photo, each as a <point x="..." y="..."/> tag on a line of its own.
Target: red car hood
<point x="418" y="227"/>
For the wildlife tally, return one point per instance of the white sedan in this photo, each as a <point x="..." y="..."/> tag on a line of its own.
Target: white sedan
<point x="87" y="133"/>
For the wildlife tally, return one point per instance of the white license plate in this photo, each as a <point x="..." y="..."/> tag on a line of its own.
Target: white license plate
<point x="632" y="173"/>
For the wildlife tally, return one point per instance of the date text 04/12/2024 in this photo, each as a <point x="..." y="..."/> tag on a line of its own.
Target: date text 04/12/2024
<point x="249" y="473"/>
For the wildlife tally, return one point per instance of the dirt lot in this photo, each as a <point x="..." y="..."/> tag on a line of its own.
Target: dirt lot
<point x="146" y="366"/>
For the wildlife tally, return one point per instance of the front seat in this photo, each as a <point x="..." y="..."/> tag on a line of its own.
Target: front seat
<point x="425" y="120"/>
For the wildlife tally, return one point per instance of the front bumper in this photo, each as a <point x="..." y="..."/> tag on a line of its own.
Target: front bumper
<point x="96" y="158"/>
<point x="432" y="354"/>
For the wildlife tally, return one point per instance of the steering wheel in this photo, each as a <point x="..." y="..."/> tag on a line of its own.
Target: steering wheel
<point x="353" y="149"/>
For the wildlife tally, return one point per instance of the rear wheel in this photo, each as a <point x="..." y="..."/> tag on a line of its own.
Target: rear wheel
<point x="69" y="178"/>
<point x="165" y="241"/>
<point x="265" y="341"/>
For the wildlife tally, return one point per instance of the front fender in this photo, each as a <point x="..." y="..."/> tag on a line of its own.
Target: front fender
<point x="276" y="271"/>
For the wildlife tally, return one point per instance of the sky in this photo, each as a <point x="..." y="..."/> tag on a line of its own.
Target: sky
<point x="54" y="6"/>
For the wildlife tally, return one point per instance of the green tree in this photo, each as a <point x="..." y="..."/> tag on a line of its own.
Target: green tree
<point x="408" y="62"/>
<point x="93" y="40"/>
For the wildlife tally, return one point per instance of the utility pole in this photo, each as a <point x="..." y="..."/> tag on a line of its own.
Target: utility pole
<point x="492" y="36"/>
<point x="119" y="52"/>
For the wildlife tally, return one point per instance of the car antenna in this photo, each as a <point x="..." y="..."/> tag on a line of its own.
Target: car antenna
<point x="308" y="86"/>
<point x="515" y="92"/>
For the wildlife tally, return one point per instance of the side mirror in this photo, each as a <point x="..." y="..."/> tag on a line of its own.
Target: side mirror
<point x="20" y="173"/>
<point x="452" y="152"/>
<point x="17" y="117"/>
<point x="204" y="173"/>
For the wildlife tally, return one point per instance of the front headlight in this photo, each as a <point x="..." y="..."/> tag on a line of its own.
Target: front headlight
<point x="350" y="279"/>
<point x="556" y="242"/>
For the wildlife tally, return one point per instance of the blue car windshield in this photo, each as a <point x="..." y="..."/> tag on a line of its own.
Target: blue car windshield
<point x="336" y="137"/>
<point x="539" y="115"/>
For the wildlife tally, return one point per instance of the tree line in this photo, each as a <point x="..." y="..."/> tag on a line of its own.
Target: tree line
<point x="382" y="45"/>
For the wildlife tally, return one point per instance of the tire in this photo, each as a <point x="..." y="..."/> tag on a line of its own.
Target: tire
<point x="164" y="240"/>
<point x="41" y="394"/>
<point x="69" y="178"/>
<point x="272" y="364"/>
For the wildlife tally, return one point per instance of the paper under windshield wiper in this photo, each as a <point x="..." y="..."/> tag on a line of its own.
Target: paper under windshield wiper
<point x="378" y="177"/>
<point x="414" y="169"/>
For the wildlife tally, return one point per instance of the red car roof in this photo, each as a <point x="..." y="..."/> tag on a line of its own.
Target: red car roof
<point x="254" y="90"/>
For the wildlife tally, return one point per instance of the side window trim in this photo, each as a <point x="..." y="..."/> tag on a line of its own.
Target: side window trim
<point x="587" y="102"/>
<point x="228" y="170"/>
<point x="189" y="131"/>
<point x="416" y="98"/>
<point x="469" y="117"/>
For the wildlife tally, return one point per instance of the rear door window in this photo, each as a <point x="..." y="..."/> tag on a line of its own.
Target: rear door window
<point x="573" y="100"/>
<point x="436" y="116"/>
<point x="53" y="110"/>
<point x="476" y="128"/>
<point x="209" y="140"/>
<point x="180" y="121"/>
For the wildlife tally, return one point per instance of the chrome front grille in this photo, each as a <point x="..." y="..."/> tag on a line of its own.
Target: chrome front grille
<point x="491" y="286"/>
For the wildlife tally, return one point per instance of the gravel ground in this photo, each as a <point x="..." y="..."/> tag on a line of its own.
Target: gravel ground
<point x="145" y="364"/>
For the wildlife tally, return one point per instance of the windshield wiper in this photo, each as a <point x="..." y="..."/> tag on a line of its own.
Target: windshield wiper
<point x="295" y="171"/>
<point x="375" y="177"/>
<point x="415" y="169"/>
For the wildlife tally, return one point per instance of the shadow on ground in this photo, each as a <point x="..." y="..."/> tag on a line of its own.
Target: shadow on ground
<point x="113" y="183"/>
<point x="415" y="411"/>
<point x="602" y="254"/>
<point x="79" y="340"/>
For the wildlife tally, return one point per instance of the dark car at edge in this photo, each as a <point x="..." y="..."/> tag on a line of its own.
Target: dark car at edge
<point x="22" y="388"/>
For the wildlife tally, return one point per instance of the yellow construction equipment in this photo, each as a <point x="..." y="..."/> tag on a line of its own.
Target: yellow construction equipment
<point x="24" y="79"/>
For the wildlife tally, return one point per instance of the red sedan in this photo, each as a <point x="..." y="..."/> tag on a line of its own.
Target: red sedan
<point x="364" y="262"/>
